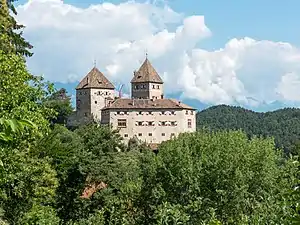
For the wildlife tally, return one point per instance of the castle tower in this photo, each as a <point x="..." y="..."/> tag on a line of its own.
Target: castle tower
<point x="92" y="94"/>
<point x="146" y="83"/>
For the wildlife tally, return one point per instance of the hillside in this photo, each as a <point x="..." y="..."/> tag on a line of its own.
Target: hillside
<point x="283" y="124"/>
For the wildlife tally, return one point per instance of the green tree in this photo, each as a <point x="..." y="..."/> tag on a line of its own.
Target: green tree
<point x="216" y="176"/>
<point x="96" y="173"/>
<point x="283" y="124"/>
<point x="11" y="41"/>
<point x="26" y="181"/>
<point x="60" y="102"/>
<point x="21" y="95"/>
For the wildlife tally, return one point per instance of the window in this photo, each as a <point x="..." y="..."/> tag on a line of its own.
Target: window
<point x="163" y="112"/>
<point x="125" y="135"/>
<point x="150" y="134"/>
<point x="153" y="86"/>
<point x="144" y="86"/>
<point x="118" y="112"/>
<point x="122" y="123"/>
<point x="157" y="86"/>
<point x="95" y="102"/>
<point x="186" y="112"/>
<point x="173" y="112"/>
<point x="140" y="134"/>
<point x="140" y="123"/>
<point x="140" y="112"/>
<point x="163" y="123"/>
<point x="163" y="134"/>
<point x="85" y="114"/>
<point x="172" y="123"/>
<point x="192" y="113"/>
<point x="172" y="135"/>
<point x="150" y="123"/>
<point x="189" y="123"/>
<point x="106" y="93"/>
<point x="136" y="86"/>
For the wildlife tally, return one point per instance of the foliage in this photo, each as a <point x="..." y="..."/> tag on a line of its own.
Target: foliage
<point x="60" y="102"/>
<point x="283" y="124"/>
<point x="88" y="157"/>
<point x="12" y="126"/>
<point x="11" y="41"/>
<point x="27" y="184"/>
<point x="21" y="95"/>
<point x="223" y="176"/>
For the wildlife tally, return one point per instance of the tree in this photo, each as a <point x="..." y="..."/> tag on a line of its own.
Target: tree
<point x="11" y="40"/>
<point x="283" y="124"/>
<point x="203" y="177"/>
<point x="96" y="174"/>
<point x="21" y="95"/>
<point x="27" y="183"/>
<point x="60" y="102"/>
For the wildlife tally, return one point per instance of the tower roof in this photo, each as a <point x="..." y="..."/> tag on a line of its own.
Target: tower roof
<point x="146" y="73"/>
<point x="95" y="79"/>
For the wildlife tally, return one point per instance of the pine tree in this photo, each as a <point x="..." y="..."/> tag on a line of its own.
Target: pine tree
<point x="11" y="39"/>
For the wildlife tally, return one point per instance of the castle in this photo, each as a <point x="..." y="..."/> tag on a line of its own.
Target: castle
<point x="147" y="115"/>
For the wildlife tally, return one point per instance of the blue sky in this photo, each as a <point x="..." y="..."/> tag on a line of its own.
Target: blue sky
<point x="244" y="53"/>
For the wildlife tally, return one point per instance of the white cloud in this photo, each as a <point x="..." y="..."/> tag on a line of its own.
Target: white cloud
<point x="67" y="40"/>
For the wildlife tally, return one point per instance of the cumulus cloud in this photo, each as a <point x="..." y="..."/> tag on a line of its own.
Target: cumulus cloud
<point x="68" y="39"/>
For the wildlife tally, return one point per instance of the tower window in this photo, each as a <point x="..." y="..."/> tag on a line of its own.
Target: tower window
<point x="122" y="123"/>
<point x="189" y="123"/>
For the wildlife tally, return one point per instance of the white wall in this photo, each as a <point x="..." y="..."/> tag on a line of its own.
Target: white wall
<point x="98" y="100"/>
<point x="133" y="117"/>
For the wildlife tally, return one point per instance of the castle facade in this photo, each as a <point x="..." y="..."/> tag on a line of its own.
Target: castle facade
<point x="147" y="115"/>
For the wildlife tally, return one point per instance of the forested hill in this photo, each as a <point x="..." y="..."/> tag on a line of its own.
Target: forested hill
<point x="283" y="124"/>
